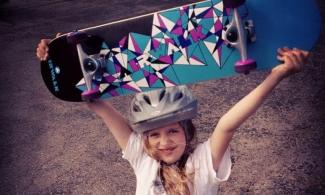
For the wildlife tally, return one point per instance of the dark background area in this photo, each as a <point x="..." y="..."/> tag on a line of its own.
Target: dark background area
<point x="53" y="147"/>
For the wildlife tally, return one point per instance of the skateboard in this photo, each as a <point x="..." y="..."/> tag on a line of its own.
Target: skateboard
<point x="182" y="45"/>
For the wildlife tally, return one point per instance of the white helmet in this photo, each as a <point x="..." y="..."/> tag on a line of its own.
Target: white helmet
<point x="153" y="109"/>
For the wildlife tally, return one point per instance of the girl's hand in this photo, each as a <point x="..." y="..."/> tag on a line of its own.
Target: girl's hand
<point x="293" y="61"/>
<point x="42" y="48"/>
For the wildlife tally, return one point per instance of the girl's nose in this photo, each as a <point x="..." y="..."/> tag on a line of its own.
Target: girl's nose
<point x="165" y="140"/>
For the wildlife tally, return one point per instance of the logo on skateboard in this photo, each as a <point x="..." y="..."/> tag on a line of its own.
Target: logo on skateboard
<point x="54" y="71"/>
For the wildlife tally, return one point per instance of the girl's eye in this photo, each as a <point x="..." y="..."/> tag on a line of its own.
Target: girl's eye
<point x="153" y="135"/>
<point x="173" y="131"/>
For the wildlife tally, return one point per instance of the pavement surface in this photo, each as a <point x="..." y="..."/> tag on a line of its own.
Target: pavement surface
<point x="48" y="146"/>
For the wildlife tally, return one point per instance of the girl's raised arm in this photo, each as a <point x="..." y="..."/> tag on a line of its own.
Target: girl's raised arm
<point x="112" y="118"/>
<point x="229" y="122"/>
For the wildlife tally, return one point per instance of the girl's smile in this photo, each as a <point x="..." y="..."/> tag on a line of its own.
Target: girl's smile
<point x="167" y="151"/>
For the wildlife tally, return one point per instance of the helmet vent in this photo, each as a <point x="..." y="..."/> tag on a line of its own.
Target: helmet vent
<point x="147" y="99"/>
<point x="136" y="108"/>
<point x="178" y="96"/>
<point x="161" y="95"/>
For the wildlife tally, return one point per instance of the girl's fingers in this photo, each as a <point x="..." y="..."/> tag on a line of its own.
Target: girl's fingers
<point x="44" y="43"/>
<point x="280" y="58"/>
<point x="42" y="46"/>
<point x="281" y="52"/>
<point x="42" y="49"/>
<point x="305" y="53"/>
<point x="295" y="60"/>
<point x="40" y="53"/>
<point x="287" y="59"/>
<point x="302" y="55"/>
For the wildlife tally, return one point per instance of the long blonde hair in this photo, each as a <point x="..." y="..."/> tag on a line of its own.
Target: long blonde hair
<point x="174" y="177"/>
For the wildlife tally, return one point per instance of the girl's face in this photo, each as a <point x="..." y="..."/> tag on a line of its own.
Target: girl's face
<point x="168" y="142"/>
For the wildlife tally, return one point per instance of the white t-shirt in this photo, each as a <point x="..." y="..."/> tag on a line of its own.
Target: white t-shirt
<point x="206" y="179"/>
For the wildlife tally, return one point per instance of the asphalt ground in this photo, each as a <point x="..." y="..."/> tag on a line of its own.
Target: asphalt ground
<point x="53" y="147"/>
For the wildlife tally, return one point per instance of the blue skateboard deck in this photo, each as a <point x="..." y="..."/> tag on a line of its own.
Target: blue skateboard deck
<point x="182" y="45"/>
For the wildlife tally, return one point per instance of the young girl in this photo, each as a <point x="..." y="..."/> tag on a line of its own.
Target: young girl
<point x="159" y="140"/>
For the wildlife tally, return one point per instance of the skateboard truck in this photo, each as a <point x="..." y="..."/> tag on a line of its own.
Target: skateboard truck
<point x="91" y="65"/>
<point x="237" y="34"/>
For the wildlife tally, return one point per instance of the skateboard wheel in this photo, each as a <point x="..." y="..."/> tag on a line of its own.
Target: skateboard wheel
<point x="245" y="66"/>
<point x="75" y="38"/>
<point x="232" y="35"/>
<point x="233" y="3"/>
<point x="91" y="65"/>
<point x="90" y="95"/>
